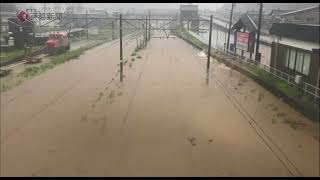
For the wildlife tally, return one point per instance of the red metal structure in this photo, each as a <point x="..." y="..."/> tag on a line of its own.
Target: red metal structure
<point x="58" y="42"/>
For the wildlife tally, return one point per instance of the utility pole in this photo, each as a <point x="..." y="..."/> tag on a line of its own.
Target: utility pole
<point x="112" y="30"/>
<point x="244" y="30"/>
<point x="231" y="13"/>
<point x="225" y="39"/>
<point x="176" y="20"/>
<point x="137" y="42"/>
<point x="217" y="36"/>
<point x="258" y="55"/>
<point x="209" y="47"/>
<point x="121" y="59"/>
<point x="87" y="24"/>
<point x="146" y="31"/>
<point x="149" y="27"/>
<point x="143" y="34"/>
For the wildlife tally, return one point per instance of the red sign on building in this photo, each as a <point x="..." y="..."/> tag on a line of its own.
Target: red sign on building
<point x="242" y="40"/>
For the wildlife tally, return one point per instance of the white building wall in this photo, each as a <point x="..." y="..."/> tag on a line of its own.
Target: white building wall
<point x="299" y="44"/>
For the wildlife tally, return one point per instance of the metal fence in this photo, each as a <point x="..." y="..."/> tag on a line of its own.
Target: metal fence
<point x="289" y="79"/>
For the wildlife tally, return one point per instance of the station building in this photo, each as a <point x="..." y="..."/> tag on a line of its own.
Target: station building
<point x="295" y="50"/>
<point x="190" y="13"/>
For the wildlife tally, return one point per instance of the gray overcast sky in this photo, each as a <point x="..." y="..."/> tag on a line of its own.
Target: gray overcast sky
<point x="211" y="6"/>
<point x="152" y="5"/>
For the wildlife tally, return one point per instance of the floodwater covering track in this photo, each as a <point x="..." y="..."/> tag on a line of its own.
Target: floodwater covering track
<point x="175" y="123"/>
<point x="260" y="132"/>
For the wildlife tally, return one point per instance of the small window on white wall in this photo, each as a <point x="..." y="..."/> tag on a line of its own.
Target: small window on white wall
<point x="306" y="64"/>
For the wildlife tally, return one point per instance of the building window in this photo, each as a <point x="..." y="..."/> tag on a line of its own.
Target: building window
<point x="292" y="59"/>
<point x="299" y="61"/>
<point x="287" y="57"/>
<point x="306" y="63"/>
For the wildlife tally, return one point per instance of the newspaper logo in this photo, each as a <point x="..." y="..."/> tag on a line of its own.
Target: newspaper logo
<point x="22" y="16"/>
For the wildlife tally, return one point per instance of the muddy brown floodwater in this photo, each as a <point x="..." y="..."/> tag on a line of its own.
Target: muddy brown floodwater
<point x="163" y="120"/>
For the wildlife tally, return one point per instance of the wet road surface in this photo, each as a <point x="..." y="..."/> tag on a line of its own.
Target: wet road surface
<point x="163" y="120"/>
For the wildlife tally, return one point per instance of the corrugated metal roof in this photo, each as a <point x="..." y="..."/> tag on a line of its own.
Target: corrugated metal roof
<point x="300" y="10"/>
<point x="301" y="32"/>
<point x="277" y="11"/>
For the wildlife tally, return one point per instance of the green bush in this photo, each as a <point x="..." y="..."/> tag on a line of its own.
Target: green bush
<point x="30" y="71"/>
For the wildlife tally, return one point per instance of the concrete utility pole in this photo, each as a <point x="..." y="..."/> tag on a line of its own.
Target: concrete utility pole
<point x="217" y="36"/>
<point x="87" y="24"/>
<point x="121" y="59"/>
<point x="112" y="30"/>
<point x="258" y="55"/>
<point x="209" y="47"/>
<point x="146" y="31"/>
<point x="244" y="30"/>
<point x="176" y="20"/>
<point x="137" y="41"/>
<point x="231" y="13"/>
<point x="225" y="39"/>
<point x="149" y="26"/>
<point x="143" y="34"/>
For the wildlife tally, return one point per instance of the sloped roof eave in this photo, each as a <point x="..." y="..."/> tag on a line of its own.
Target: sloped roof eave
<point x="246" y="21"/>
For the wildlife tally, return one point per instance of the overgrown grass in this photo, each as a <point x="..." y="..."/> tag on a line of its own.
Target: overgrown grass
<point x="191" y="39"/>
<point x="15" y="53"/>
<point x="30" y="71"/>
<point x="306" y="103"/>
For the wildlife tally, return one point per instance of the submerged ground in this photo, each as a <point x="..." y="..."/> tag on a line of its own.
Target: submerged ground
<point x="165" y="119"/>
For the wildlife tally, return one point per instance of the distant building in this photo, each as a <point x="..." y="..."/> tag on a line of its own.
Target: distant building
<point x="98" y="12"/>
<point x="190" y="13"/>
<point x="7" y="10"/>
<point x="245" y="24"/>
<point x="295" y="50"/>
<point x="78" y="20"/>
<point x="302" y="16"/>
